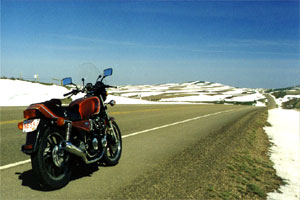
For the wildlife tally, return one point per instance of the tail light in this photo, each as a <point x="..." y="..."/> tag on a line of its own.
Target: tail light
<point x="28" y="114"/>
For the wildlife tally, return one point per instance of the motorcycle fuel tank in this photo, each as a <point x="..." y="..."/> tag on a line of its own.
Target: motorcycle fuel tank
<point x="86" y="106"/>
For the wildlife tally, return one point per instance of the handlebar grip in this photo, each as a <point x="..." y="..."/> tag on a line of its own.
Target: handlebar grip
<point x="68" y="93"/>
<point x="110" y="86"/>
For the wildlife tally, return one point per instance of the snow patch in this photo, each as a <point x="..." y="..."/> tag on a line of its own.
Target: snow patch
<point x="286" y="98"/>
<point x="285" y="152"/>
<point x="197" y="98"/>
<point x="23" y="93"/>
<point x="125" y="100"/>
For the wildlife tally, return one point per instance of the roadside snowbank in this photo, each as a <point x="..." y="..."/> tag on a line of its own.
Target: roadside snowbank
<point x="285" y="153"/>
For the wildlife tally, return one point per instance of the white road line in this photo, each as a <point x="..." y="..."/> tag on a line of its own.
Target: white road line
<point x="136" y="133"/>
<point x="15" y="164"/>
<point x="176" y="123"/>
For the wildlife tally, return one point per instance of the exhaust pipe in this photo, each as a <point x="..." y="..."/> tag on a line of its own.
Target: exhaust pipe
<point x="69" y="147"/>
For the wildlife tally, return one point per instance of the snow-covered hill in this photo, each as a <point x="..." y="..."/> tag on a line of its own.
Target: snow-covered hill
<point x="194" y="92"/>
<point x="22" y="93"/>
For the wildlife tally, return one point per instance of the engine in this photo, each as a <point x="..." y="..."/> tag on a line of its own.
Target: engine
<point x="93" y="142"/>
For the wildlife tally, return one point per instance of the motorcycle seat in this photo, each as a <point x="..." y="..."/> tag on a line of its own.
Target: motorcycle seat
<point x="55" y="105"/>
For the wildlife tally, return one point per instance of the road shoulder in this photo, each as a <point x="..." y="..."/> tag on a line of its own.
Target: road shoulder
<point x="231" y="163"/>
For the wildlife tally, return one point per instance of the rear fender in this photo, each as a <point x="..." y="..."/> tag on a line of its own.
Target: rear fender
<point x="31" y="142"/>
<point x="33" y="138"/>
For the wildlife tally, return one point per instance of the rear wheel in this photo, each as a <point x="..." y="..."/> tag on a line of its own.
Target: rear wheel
<point x="50" y="163"/>
<point x="113" y="151"/>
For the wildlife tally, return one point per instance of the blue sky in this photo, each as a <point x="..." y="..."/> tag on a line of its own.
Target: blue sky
<point x="239" y="43"/>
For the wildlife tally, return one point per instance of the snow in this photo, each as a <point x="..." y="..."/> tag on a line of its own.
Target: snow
<point x="236" y="91"/>
<point x="286" y="98"/>
<point x="197" y="98"/>
<point x="200" y="92"/>
<point x="260" y="104"/>
<point x="143" y="94"/>
<point x="285" y="152"/>
<point x="23" y="93"/>
<point x="124" y="100"/>
<point x="247" y="98"/>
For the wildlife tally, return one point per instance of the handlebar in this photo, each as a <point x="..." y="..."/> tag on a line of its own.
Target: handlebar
<point x="72" y="92"/>
<point x="110" y="86"/>
<point x="67" y="94"/>
<point x="77" y="90"/>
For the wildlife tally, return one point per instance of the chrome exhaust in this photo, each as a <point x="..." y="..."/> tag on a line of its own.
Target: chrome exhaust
<point x="69" y="147"/>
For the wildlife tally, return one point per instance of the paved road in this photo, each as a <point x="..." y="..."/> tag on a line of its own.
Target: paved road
<point x="141" y="153"/>
<point x="271" y="101"/>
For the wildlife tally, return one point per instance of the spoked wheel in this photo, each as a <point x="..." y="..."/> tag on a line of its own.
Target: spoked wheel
<point x="113" y="151"/>
<point x="51" y="163"/>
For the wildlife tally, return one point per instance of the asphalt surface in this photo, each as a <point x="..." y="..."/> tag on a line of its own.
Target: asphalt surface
<point x="142" y="153"/>
<point x="271" y="102"/>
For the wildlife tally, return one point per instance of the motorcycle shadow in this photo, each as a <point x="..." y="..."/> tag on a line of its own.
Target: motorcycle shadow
<point x="29" y="179"/>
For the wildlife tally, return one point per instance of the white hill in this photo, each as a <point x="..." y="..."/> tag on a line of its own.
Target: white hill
<point x="193" y="92"/>
<point x="23" y="93"/>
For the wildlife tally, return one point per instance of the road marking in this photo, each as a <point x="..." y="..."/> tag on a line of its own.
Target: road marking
<point x="176" y="123"/>
<point x="135" y="111"/>
<point x="15" y="164"/>
<point x="112" y="113"/>
<point x="136" y="133"/>
<point x="11" y="121"/>
<point x="146" y="110"/>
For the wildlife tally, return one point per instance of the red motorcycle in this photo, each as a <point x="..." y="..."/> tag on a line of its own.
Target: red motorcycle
<point x="59" y="137"/>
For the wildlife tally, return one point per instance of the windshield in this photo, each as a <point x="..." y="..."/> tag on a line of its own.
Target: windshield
<point x="88" y="71"/>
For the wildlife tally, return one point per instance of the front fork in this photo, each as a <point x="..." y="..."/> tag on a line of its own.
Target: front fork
<point x="109" y="120"/>
<point x="112" y="130"/>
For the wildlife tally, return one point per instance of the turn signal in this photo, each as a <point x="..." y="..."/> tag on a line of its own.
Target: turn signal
<point x="20" y="126"/>
<point x="112" y="102"/>
<point x="29" y="114"/>
<point x="60" y="121"/>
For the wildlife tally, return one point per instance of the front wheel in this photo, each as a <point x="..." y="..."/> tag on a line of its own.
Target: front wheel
<point x="50" y="163"/>
<point x="113" y="151"/>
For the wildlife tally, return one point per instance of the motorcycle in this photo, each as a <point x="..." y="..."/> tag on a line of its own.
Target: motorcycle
<point x="60" y="137"/>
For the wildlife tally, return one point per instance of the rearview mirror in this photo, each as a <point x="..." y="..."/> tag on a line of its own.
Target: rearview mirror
<point x="67" y="81"/>
<point x="107" y="72"/>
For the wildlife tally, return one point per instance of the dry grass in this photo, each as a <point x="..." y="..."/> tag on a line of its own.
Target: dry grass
<point x="231" y="163"/>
